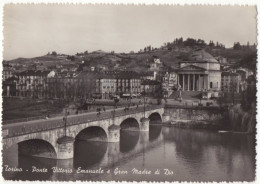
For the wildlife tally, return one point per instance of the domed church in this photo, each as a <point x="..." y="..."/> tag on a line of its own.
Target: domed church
<point x="200" y="72"/>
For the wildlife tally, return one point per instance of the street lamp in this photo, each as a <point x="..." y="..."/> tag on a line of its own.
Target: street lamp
<point x="144" y="100"/>
<point x="65" y="121"/>
<point x="116" y="100"/>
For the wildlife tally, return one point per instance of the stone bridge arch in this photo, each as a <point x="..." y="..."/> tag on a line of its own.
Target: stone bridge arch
<point x="155" y="118"/>
<point x="50" y="138"/>
<point x="37" y="145"/>
<point x="73" y="131"/>
<point x="155" y="113"/>
<point x="51" y="131"/>
<point x="92" y="133"/>
<point x="130" y="123"/>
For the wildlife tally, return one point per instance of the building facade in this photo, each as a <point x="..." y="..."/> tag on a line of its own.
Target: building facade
<point x="201" y="72"/>
<point x="230" y="82"/>
<point x="169" y="83"/>
<point x="92" y="84"/>
<point x="31" y="83"/>
<point x="126" y="82"/>
<point x="151" y="88"/>
<point x="108" y="85"/>
<point x="85" y="85"/>
<point x="8" y="71"/>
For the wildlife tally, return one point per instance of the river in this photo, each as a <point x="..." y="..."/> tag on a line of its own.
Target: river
<point x="174" y="154"/>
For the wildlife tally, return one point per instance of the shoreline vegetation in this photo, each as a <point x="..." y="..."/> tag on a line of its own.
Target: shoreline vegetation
<point x="234" y="121"/>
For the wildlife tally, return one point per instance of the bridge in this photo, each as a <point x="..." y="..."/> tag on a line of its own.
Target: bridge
<point x="54" y="137"/>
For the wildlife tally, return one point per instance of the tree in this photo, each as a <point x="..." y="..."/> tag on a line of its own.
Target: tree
<point x="159" y="94"/>
<point x="249" y="95"/>
<point x="237" y="46"/>
<point x="54" y="53"/>
<point x="201" y="42"/>
<point x="211" y="43"/>
<point x="249" y="61"/>
<point x="190" y="42"/>
<point x="72" y="58"/>
<point x="179" y="40"/>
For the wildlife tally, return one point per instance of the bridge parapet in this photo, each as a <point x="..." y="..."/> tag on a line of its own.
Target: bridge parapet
<point x="24" y="128"/>
<point x="52" y="130"/>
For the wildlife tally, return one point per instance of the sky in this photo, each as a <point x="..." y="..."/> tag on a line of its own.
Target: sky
<point x="35" y="30"/>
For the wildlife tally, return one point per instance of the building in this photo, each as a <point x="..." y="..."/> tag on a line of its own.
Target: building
<point x="169" y="83"/>
<point x="150" y="75"/>
<point x="93" y="84"/>
<point x="9" y="87"/>
<point x="127" y="82"/>
<point x="152" y="87"/>
<point x="245" y="72"/>
<point x="107" y="85"/>
<point x="200" y="72"/>
<point x="230" y="82"/>
<point x="8" y="71"/>
<point x="156" y="60"/>
<point x="154" y="67"/>
<point x="222" y="60"/>
<point x="85" y="85"/>
<point x="32" y="83"/>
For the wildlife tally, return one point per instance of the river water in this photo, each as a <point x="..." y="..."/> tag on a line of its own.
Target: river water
<point x="174" y="154"/>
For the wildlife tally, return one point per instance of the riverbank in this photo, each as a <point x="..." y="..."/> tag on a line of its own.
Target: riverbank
<point x="192" y="124"/>
<point x="241" y="120"/>
<point x="211" y="118"/>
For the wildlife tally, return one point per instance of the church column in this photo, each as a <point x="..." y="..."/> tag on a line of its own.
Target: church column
<point x="199" y="83"/>
<point x="196" y="82"/>
<point x="205" y="82"/>
<point x="183" y="82"/>
<point x="193" y="84"/>
<point x="188" y="82"/>
<point x="178" y="81"/>
<point x="202" y="82"/>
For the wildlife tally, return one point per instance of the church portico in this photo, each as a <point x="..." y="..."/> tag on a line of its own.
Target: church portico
<point x="199" y="73"/>
<point x="193" y="82"/>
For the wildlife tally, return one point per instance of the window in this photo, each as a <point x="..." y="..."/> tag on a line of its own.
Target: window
<point x="211" y="84"/>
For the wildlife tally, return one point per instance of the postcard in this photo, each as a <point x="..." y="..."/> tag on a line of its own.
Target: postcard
<point x="97" y="92"/>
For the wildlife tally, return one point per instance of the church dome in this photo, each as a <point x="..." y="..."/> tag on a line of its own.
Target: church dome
<point x="201" y="55"/>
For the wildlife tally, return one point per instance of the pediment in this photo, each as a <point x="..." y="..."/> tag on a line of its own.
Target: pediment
<point x="192" y="68"/>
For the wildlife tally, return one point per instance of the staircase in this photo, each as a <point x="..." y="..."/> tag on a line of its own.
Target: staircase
<point x="190" y="95"/>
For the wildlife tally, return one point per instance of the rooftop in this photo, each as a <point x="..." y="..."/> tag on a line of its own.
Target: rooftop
<point x="201" y="55"/>
<point x="229" y="74"/>
<point x="34" y="73"/>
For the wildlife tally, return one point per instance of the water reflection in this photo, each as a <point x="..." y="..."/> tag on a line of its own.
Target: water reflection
<point x="29" y="165"/>
<point x="128" y="140"/>
<point x="193" y="155"/>
<point x="154" y="132"/>
<point x="88" y="153"/>
<point x="204" y="151"/>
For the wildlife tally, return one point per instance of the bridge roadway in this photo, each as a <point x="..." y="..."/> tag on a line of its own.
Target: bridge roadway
<point x="22" y="128"/>
<point x="60" y="142"/>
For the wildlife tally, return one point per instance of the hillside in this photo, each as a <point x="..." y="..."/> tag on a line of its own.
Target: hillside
<point x="170" y="56"/>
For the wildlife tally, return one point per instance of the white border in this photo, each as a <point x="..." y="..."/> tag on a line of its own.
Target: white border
<point x="136" y="2"/>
